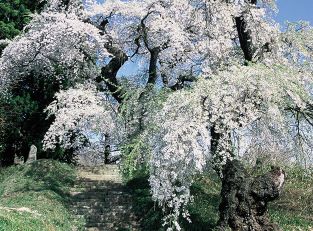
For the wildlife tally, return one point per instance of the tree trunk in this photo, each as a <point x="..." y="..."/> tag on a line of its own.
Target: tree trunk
<point x="245" y="198"/>
<point x="107" y="149"/>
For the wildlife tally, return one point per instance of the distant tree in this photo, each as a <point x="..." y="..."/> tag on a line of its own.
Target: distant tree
<point x="210" y="74"/>
<point x="24" y="105"/>
<point x="15" y="15"/>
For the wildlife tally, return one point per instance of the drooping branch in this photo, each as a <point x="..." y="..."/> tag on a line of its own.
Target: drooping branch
<point x="250" y="54"/>
<point x="299" y="114"/>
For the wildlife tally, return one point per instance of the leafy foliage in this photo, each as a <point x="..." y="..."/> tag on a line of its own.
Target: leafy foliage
<point x="15" y="15"/>
<point x="24" y="111"/>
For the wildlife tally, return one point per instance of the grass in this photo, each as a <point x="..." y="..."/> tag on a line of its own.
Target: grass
<point x="143" y="205"/>
<point x="203" y="211"/>
<point x="293" y="210"/>
<point x="41" y="188"/>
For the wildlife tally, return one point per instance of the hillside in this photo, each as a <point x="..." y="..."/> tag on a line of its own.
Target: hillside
<point x="36" y="196"/>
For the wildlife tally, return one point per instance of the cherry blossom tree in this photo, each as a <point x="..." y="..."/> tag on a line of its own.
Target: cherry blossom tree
<point x="209" y="74"/>
<point x="84" y="118"/>
<point x="37" y="64"/>
<point x="86" y="115"/>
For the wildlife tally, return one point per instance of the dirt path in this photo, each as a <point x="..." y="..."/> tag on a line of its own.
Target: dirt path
<point x="99" y="197"/>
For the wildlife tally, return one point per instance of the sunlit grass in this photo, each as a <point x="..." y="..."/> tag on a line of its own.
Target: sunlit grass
<point x="293" y="210"/>
<point x="43" y="189"/>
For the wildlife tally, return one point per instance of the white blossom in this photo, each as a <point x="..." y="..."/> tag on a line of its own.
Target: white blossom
<point x="81" y="115"/>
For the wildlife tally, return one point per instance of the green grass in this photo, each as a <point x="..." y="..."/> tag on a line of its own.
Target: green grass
<point x="203" y="211"/>
<point x="150" y="215"/>
<point x="42" y="187"/>
<point x="293" y="210"/>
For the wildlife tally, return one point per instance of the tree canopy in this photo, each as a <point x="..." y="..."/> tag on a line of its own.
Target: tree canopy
<point x="214" y="80"/>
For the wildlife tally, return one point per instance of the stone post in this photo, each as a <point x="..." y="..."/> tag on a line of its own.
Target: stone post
<point x="32" y="156"/>
<point x="18" y="159"/>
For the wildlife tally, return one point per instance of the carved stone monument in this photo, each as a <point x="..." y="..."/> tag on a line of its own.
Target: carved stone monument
<point x="18" y="159"/>
<point x="32" y="156"/>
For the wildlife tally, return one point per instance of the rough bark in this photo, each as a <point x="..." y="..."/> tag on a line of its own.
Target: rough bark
<point x="245" y="198"/>
<point x="153" y="65"/>
<point x="109" y="71"/>
<point x="251" y="52"/>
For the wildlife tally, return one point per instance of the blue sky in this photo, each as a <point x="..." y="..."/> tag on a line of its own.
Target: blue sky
<point x="294" y="10"/>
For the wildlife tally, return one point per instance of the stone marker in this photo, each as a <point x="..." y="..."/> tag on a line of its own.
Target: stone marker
<point x="32" y="156"/>
<point x="18" y="159"/>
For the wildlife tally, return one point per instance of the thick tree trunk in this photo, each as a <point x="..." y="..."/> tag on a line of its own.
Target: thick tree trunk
<point x="245" y="198"/>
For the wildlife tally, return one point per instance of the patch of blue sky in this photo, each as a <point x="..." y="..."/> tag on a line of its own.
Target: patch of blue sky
<point x="294" y="10"/>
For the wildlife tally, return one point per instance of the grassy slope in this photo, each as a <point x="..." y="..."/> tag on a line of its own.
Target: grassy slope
<point x="42" y="187"/>
<point x="293" y="210"/>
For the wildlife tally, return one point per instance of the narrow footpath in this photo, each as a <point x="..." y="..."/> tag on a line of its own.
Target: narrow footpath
<point x="99" y="197"/>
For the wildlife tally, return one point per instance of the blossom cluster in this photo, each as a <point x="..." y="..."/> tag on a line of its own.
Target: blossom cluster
<point x="55" y="44"/>
<point x="234" y="101"/>
<point x="81" y="115"/>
